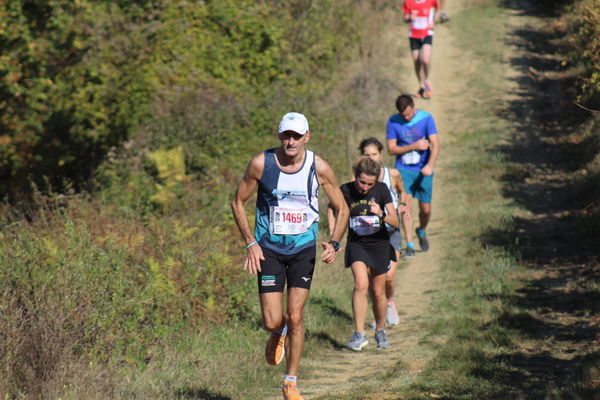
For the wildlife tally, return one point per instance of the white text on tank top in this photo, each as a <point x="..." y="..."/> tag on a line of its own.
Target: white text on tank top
<point x="295" y="209"/>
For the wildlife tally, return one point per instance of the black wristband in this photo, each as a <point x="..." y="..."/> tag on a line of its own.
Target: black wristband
<point x="336" y="245"/>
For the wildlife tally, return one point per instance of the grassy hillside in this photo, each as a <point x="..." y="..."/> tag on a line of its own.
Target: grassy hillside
<point x="125" y="126"/>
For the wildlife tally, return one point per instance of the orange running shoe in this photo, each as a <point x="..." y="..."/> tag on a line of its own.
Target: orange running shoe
<point x="290" y="391"/>
<point x="275" y="348"/>
<point x="428" y="90"/>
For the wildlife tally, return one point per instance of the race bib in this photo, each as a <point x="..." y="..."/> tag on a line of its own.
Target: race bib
<point x="288" y="221"/>
<point x="420" y="22"/>
<point x="364" y="225"/>
<point x="410" y="158"/>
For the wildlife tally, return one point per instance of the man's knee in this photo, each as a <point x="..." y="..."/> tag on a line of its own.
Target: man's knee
<point x="272" y="323"/>
<point x="294" y="319"/>
<point x="272" y="318"/>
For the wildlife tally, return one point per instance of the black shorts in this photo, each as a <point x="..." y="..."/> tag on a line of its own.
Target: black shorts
<point x="297" y="269"/>
<point x="416" y="44"/>
<point x="395" y="238"/>
<point x="377" y="258"/>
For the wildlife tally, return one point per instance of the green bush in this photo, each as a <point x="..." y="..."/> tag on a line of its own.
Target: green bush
<point x="69" y="86"/>
<point x="72" y="287"/>
<point x="584" y="26"/>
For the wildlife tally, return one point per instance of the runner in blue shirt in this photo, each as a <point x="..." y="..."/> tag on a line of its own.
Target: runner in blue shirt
<point x="413" y="138"/>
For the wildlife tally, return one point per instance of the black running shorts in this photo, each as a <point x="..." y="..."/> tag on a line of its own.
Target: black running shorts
<point x="416" y="44"/>
<point x="297" y="269"/>
<point x="377" y="258"/>
<point x="395" y="238"/>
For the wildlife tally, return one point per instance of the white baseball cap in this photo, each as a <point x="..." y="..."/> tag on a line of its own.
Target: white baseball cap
<point x="295" y="122"/>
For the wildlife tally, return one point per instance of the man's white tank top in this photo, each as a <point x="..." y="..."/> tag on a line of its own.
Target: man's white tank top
<point x="287" y="206"/>
<point x="387" y="179"/>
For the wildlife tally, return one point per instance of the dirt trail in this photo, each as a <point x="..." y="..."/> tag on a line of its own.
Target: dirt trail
<point x="338" y="371"/>
<point x="335" y="372"/>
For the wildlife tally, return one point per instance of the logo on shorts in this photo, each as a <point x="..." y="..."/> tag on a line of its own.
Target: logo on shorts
<point x="306" y="278"/>
<point x="267" y="280"/>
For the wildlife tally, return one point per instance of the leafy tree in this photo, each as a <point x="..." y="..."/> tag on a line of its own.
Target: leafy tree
<point x="67" y="86"/>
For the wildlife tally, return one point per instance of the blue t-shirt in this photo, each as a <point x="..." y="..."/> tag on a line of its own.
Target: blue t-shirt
<point x="420" y="126"/>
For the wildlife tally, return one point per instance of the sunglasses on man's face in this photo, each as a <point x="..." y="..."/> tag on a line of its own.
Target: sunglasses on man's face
<point x="290" y="134"/>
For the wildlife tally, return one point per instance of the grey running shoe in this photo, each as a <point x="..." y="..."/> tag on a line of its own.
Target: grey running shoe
<point x="409" y="253"/>
<point x="423" y="242"/>
<point x="444" y="17"/>
<point x="373" y="324"/>
<point x="381" y="339"/>
<point x="357" y="342"/>
<point x="391" y="315"/>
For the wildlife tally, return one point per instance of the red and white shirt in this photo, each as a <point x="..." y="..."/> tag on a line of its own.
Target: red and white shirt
<point x="422" y="14"/>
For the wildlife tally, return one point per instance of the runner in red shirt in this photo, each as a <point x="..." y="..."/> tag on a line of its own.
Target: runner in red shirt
<point x="422" y="16"/>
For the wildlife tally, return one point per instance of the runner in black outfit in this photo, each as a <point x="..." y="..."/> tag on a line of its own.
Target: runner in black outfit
<point x="368" y="249"/>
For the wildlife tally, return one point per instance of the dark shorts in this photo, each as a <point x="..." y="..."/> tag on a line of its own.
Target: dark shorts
<point x="395" y="238"/>
<point x="377" y="258"/>
<point x="418" y="185"/>
<point x="297" y="269"/>
<point x="416" y="44"/>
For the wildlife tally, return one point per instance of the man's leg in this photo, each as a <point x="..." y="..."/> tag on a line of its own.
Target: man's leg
<point x="443" y="15"/>
<point x="425" y="56"/>
<point x="408" y="228"/>
<point x="416" y="56"/>
<point x="271" y="305"/>
<point x="295" y="320"/>
<point x="424" y="214"/>
<point x="424" y="194"/>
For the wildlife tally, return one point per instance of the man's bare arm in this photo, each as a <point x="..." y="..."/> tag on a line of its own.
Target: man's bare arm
<point x="435" y="151"/>
<point x="336" y="203"/>
<point x="395" y="150"/>
<point x="244" y="190"/>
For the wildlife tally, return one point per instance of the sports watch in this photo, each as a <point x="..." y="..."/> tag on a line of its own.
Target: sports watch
<point x="336" y="245"/>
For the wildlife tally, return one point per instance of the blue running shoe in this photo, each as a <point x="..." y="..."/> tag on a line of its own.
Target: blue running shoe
<point x="409" y="252"/>
<point x="381" y="339"/>
<point x="357" y="342"/>
<point x="423" y="242"/>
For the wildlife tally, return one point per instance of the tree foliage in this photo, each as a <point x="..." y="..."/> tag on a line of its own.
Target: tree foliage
<point x="585" y="25"/>
<point x="79" y="78"/>
<point x="68" y="85"/>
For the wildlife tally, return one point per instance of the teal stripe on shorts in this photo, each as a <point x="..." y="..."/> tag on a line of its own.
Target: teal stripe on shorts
<point x="417" y="184"/>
